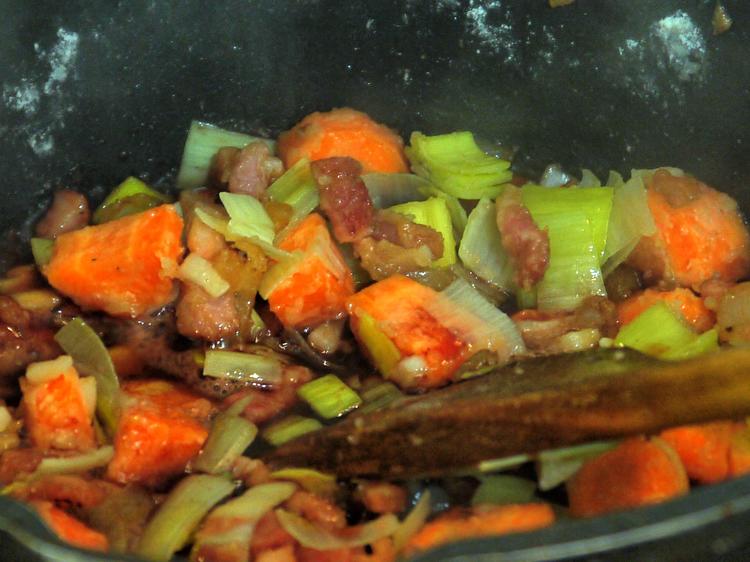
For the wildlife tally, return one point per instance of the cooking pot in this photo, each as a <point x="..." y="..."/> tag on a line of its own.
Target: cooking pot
<point x="94" y="92"/>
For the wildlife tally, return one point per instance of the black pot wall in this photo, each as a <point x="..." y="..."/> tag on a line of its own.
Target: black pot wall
<point x="94" y="91"/>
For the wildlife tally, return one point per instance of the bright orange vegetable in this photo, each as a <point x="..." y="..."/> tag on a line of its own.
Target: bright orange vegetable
<point x="318" y="287"/>
<point x="481" y="521"/>
<point x="70" y="529"/>
<point x="123" y="267"/>
<point x="344" y="132"/>
<point x="680" y="300"/>
<point x="700" y="234"/>
<point x="56" y="414"/>
<point x="161" y="428"/>
<point x="711" y="452"/>
<point x="398" y="305"/>
<point x="637" y="472"/>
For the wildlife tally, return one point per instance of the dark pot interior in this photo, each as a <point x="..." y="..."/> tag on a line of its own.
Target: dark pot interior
<point x="93" y="92"/>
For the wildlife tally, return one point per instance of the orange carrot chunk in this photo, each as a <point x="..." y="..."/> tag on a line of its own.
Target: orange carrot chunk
<point x="680" y="300"/>
<point x="56" y="414"/>
<point x="480" y="521"/>
<point x="703" y="449"/>
<point x="123" y="267"/>
<point x="391" y="321"/>
<point x="637" y="472"/>
<point x="317" y="288"/>
<point x="712" y="452"/>
<point x="344" y="132"/>
<point x="161" y="428"/>
<point x="70" y="529"/>
<point x="700" y="234"/>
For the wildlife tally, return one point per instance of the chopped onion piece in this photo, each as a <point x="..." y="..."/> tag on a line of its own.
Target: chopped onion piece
<point x="629" y="221"/>
<point x="412" y="522"/>
<point x="311" y="480"/>
<point x="247" y="367"/>
<point x="198" y="270"/>
<point x="312" y="536"/>
<point x="481" y="249"/>
<point x="589" y="179"/>
<point x="92" y="358"/>
<point x="203" y="142"/>
<point x="554" y="176"/>
<point x="88" y="390"/>
<point x="231" y="526"/>
<point x="491" y="329"/>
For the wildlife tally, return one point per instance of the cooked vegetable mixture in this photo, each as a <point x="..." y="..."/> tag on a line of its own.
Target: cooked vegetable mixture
<point x="165" y="345"/>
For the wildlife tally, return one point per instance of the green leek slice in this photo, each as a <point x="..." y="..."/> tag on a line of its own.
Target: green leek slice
<point x="556" y="466"/>
<point x="130" y="197"/>
<point x="433" y="213"/>
<point x="456" y="165"/>
<point x="660" y="332"/>
<point x="329" y="396"/>
<point x="170" y="528"/>
<point x="203" y="142"/>
<point x="503" y="489"/>
<point x="199" y="270"/>
<point x="296" y="188"/>
<point x="229" y="437"/>
<point x="92" y="358"/>
<point x="311" y="480"/>
<point x="236" y="365"/>
<point x="41" y="249"/>
<point x="289" y="428"/>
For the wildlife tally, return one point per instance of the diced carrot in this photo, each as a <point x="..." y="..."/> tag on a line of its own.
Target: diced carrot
<point x="680" y="300"/>
<point x="636" y="472"/>
<point x="162" y="426"/>
<point x="56" y="414"/>
<point x="70" y="529"/>
<point x="703" y="449"/>
<point x="700" y="234"/>
<point x="126" y="360"/>
<point x="398" y="306"/>
<point x="712" y="452"/>
<point x="344" y="132"/>
<point x="383" y="497"/>
<point x="739" y="451"/>
<point x="123" y="267"/>
<point x="317" y="289"/>
<point x="481" y="521"/>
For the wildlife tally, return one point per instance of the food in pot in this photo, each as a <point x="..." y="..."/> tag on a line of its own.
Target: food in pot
<point x="151" y="360"/>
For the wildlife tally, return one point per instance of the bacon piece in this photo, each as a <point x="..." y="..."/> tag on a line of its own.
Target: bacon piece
<point x="69" y="211"/>
<point x="199" y="315"/>
<point x="525" y="242"/>
<point x="344" y="197"/>
<point x="248" y="171"/>
<point x="399" y="229"/>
